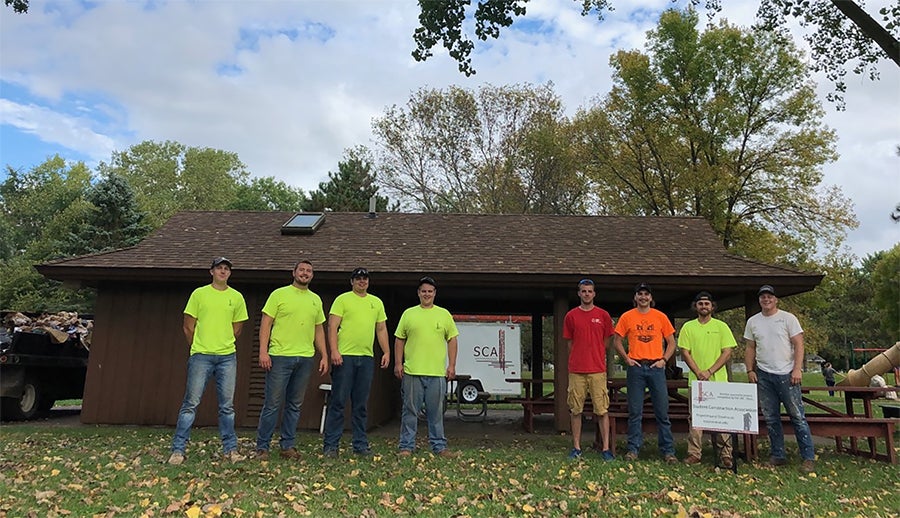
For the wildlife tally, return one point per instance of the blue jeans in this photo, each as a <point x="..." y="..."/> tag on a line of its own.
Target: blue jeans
<point x="200" y="368"/>
<point x="352" y="381"/>
<point x="285" y="383"/>
<point x="416" y="391"/>
<point x="773" y="390"/>
<point x="638" y="378"/>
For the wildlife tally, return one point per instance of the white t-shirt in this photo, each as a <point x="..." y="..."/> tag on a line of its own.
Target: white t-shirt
<point x="772" y="334"/>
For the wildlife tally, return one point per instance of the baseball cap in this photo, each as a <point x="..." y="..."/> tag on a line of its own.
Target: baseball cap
<point x="643" y="287"/>
<point x="219" y="260"/>
<point x="703" y="295"/>
<point x="766" y="288"/>
<point x="359" y="272"/>
<point x="427" y="280"/>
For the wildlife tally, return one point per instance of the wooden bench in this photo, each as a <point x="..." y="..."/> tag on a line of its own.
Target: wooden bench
<point x="838" y="428"/>
<point x="544" y="405"/>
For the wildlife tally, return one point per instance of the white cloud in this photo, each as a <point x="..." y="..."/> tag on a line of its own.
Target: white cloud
<point x="57" y="128"/>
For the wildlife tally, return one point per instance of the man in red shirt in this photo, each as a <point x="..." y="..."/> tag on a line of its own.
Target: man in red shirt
<point x="588" y="332"/>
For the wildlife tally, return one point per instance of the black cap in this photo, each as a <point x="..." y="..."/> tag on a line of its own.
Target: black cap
<point x="219" y="260"/>
<point x="359" y="272"/>
<point x="704" y="295"/>
<point x="766" y="288"/>
<point x="643" y="287"/>
<point x="427" y="280"/>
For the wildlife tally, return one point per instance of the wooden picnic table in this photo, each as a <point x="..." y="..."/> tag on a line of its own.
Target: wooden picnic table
<point x="850" y="424"/>
<point x="832" y="422"/>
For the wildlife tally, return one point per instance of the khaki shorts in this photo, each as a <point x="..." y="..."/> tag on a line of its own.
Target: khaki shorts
<point x="580" y="385"/>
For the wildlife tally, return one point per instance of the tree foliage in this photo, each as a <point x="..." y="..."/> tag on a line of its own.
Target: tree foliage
<point x="59" y="209"/>
<point x="496" y="150"/>
<point x="267" y="193"/>
<point x="842" y="310"/>
<point x="840" y="32"/>
<point x="351" y="188"/>
<point x="39" y="208"/>
<point x="169" y="176"/>
<point x="19" y="6"/>
<point x="886" y="282"/>
<point x="724" y="125"/>
<point x="113" y="220"/>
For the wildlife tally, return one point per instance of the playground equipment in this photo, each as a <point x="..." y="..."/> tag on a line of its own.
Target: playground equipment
<point x="885" y="361"/>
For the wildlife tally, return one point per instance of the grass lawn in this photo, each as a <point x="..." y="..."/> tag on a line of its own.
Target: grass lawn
<point x="121" y="471"/>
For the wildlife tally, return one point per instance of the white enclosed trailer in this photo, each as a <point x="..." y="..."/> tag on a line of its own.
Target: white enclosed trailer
<point x="488" y="353"/>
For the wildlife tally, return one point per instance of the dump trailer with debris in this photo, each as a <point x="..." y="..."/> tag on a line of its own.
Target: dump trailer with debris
<point x="40" y="364"/>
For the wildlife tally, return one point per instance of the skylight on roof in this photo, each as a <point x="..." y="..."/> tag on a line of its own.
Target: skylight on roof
<point x="303" y="223"/>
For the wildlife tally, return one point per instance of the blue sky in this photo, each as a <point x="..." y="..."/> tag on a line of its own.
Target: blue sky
<point x="289" y="85"/>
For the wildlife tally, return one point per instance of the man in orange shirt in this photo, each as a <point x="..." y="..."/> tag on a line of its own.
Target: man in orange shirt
<point x="651" y="342"/>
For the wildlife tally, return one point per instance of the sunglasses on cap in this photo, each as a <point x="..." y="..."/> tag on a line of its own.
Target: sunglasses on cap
<point x="585" y="282"/>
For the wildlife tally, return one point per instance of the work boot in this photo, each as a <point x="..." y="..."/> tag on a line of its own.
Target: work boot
<point x="290" y="453"/>
<point x="808" y="466"/>
<point x="692" y="459"/>
<point x="262" y="455"/>
<point x="176" y="458"/>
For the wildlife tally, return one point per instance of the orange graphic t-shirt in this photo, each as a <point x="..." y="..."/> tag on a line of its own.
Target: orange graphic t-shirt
<point x="645" y="333"/>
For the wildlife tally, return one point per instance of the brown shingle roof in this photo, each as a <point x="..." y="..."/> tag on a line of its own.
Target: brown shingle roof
<point x="450" y="243"/>
<point x="446" y="243"/>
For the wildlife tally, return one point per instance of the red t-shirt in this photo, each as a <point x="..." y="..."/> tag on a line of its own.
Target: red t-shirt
<point x="588" y="331"/>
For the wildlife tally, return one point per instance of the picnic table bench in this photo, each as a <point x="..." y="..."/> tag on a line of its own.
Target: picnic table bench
<point x="829" y="422"/>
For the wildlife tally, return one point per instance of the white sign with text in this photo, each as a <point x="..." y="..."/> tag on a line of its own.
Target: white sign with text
<point x="724" y="407"/>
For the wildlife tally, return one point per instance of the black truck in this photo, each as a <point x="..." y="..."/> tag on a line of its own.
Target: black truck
<point x="37" y="369"/>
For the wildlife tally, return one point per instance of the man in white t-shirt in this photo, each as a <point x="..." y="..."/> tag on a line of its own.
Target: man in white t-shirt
<point x="773" y="355"/>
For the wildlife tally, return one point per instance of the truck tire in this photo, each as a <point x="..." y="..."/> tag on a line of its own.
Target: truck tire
<point x="26" y="406"/>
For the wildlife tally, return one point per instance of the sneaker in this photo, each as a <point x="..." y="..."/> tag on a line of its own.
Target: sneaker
<point x="290" y="453"/>
<point x="726" y="462"/>
<point x="262" y="455"/>
<point x="692" y="459"/>
<point x="777" y="461"/>
<point x="331" y="454"/>
<point x="363" y="453"/>
<point x="607" y="455"/>
<point x="632" y="455"/>
<point x="176" y="458"/>
<point x="670" y="459"/>
<point x="575" y="454"/>
<point x="404" y="453"/>
<point x="450" y="454"/>
<point x="234" y="456"/>
<point x="808" y="466"/>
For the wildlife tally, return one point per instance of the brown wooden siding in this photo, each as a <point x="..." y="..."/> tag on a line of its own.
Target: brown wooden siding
<point x="138" y="363"/>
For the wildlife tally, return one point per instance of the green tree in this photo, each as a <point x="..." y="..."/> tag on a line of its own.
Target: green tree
<point x="41" y="206"/>
<point x="838" y="31"/>
<point x="351" y="188"/>
<point x="886" y="282"/>
<point x="113" y="221"/>
<point x="495" y="150"/>
<point x="724" y="125"/>
<point x="168" y="177"/>
<point x="267" y="193"/>
<point x="39" y="209"/>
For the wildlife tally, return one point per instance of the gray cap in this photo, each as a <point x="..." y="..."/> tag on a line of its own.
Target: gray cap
<point x="766" y="288"/>
<point x="219" y="260"/>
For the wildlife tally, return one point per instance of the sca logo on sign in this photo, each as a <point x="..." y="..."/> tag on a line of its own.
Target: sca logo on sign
<point x="484" y="351"/>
